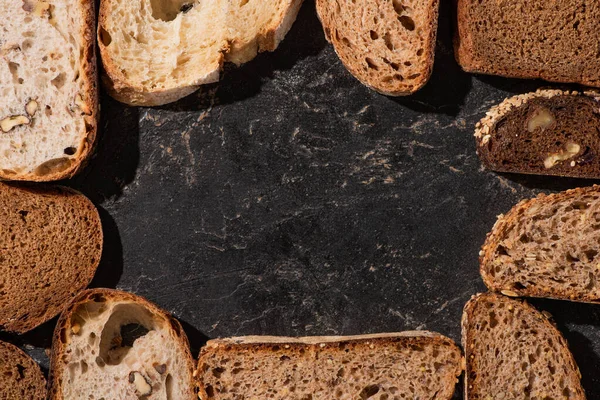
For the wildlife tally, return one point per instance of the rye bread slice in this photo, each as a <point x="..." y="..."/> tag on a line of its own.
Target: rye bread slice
<point x="548" y="132"/>
<point x="514" y="352"/>
<point x="388" y="45"/>
<point x="548" y="246"/>
<point x="51" y="241"/>
<point x="22" y="377"/>
<point x="397" y="365"/>
<point x="555" y="40"/>
<point x="110" y="344"/>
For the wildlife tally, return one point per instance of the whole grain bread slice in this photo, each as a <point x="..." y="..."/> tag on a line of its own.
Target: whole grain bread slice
<point x="110" y="344"/>
<point x="158" y="51"/>
<point x="548" y="132"/>
<point x="22" y="377"/>
<point x="514" y="352"/>
<point x="388" y="45"/>
<point x="396" y="365"/>
<point x="548" y="246"/>
<point x="555" y="40"/>
<point x="48" y="86"/>
<point x="50" y="246"/>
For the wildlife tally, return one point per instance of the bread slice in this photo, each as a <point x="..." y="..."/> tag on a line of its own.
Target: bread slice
<point x="51" y="243"/>
<point x="388" y="45"/>
<point x="514" y="352"/>
<point x="158" y="51"/>
<point x="21" y="376"/>
<point x="48" y="118"/>
<point x="548" y="132"/>
<point x="421" y="365"/>
<point x="110" y="344"/>
<point x="548" y="246"/>
<point x="555" y="40"/>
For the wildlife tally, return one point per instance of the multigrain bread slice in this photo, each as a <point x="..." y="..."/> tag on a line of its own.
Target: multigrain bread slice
<point x="110" y="344"/>
<point x="420" y="365"/>
<point x="50" y="246"/>
<point x="21" y="376"/>
<point x="548" y="246"/>
<point x="158" y="51"/>
<point x="48" y="118"/>
<point x="514" y="352"/>
<point x="388" y="45"/>
<point x="555" y="40"/>
<point x="548" y="132"/>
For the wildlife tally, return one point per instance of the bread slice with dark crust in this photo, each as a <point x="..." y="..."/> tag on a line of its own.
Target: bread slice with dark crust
<point x="548" y="132"/>
<point x="385" y="366"/>
<point x="548" y="246"/>
<point x="22" y="377"/>
<point x="555" y="40"/>
<point x="51" y="240"/>
<point x="514" y="352"/>
<point x="110" y="344"/>
<point x="388" y="45"/>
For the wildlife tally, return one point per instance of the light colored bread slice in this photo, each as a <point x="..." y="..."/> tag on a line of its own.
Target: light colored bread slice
<point x="158" y="51"/>
<point x="110" y="344"/>
<point x="548" y="246"/>
<point x="48" y="118"/>
<point x="388" y="45"/>
<point x="21" y="376"/>
<point x="51" y="243"/>
<point x="513" y="352"/>
<point x="421" y="365"/>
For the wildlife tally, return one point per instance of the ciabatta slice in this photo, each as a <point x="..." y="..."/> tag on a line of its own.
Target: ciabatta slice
<point x="21" y="376"/>
<point x="158" y="51"/>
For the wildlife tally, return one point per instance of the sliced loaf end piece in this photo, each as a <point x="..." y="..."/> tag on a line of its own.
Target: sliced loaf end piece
<point x="116" y="345"/>
<point x="52" y="240"/>
<point x="22" y="377"/>
<point x="387" y="45"/>
<point x="513" y="352"/>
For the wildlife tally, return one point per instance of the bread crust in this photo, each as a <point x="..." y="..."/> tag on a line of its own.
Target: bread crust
<point x="107" y="295"/>
<point x="89" y="141"/>
<point x="466" y="342"/>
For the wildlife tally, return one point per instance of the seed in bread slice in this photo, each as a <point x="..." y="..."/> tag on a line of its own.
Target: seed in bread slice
<point x="158" y="51"/>
<point x="388" y="45"/>
<point x="555" y="40"/>
<point x="21" y="376"/>
<point x="548" y="132"/>
<point x="51" y="241"/>
<point x="514" y="352"/>
<point x="548" y="246"/>
<point x="110" y="344"/>
<point x="420" y="365"/>
<point x="48" y="88"/>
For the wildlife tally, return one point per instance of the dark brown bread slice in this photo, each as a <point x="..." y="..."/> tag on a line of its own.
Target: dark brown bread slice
<point x="548" y="246"/>
<point x="110" y="344"/>
<point x="388" y="366"/>
<point x="51" y="243"/>
<point x="555" y="40"/>
<point x="388" y="45"/>
<point x="21" y="377"/>
<point x="513" y="352"/>
<point x="549" y="132"/>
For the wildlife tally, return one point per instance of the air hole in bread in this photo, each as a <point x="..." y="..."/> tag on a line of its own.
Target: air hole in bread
<point x="59" y="80"/>
<point x="387" y="38"/>
<point x="169" y="387"/>
<point x="105" y="37"/>
<point x="371" y="64"/>
<point x="374" y="35"/>
<point x="167" y="10"/>
<point x="27" y="44"/>
<point x="70" y="151"/>
<point x="13" y="67"/>
<point x="398" y="6"/>
<point x="368" y="392"/>
<point x="407" y="22"/>
<point x="53" y="166"/>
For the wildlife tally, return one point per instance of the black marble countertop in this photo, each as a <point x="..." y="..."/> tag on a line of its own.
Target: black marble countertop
<point x="289" y="199"/>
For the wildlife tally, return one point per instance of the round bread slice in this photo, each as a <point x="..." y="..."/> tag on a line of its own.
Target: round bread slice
<point x="51" y="241"/>
<point x="21" y="376"/>
<point x="110" y="344"/>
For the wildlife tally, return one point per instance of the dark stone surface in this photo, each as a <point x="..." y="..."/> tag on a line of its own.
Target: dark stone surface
<point x="290" y="200"/>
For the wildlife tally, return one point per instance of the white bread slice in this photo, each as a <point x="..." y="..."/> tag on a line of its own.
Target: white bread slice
<point x="48" y="118"/>
<point x="21" y="376"/>
<point x="158" y="51"/>
<point x="110" y="344"/>
<point x="514" y="352"/>
<point x="420" y="365"/>
<point x="388" y="45"/>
